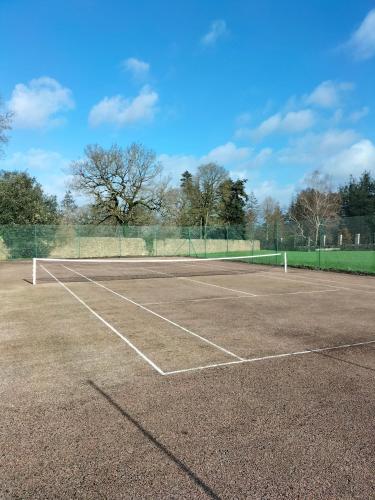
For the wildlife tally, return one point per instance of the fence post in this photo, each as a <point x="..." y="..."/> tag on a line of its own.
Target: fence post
<point x="340" y="240"/>
<point x="357" y="239"/>
<point x="78" y="242"/>
<point x="35" y="242"/>
<point x="226" y="234"/>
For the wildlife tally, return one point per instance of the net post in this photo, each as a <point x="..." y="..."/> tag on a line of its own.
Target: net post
<point x="34" y="271"/>
<point x="285" y="263"/>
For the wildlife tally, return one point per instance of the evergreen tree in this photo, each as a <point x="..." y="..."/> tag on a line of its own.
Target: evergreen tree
<point x="358" y="196"/>
<point x="232" y="203"/>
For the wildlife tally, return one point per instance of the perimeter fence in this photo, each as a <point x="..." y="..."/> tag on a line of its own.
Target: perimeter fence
<point x="342" y="244"/>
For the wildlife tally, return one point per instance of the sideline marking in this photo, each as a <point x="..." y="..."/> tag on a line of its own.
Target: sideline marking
<point x="316" y="284"/>
<point x="157" y="315"/>
<point x="229" y="297"/>
<point x="130" y="344"/>
<point x="336" y="281"/>
<point x="272" y="356"/>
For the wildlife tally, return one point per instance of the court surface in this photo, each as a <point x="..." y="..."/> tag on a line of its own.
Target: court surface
<point x="237" y="385"/>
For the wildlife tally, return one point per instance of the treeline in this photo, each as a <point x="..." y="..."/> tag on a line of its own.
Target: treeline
<point x="126" y="186"/>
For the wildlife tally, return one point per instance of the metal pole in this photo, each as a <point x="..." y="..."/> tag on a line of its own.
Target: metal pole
<point x="34" y="271"/>
<point x="285" y="263"/>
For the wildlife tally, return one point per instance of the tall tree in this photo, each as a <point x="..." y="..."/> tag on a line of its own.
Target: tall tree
<point x="122" y="183"/>
<point x="232" y="202"/>
<point x="189" y="213"/>
<point x="23" y="201"/>
<point x="272" y="217"/>
<point x="252" y="209"/>
<point x="315" y="205"/>
<point x="5" y="125"/>
<point x="69" y="208"/>
<point x="209" y="178"/>
<point x="358" y="196"/>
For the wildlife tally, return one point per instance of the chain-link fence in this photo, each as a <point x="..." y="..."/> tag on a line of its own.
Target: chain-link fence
<point x="62" y="241"/>
<point x="346" y="244"/>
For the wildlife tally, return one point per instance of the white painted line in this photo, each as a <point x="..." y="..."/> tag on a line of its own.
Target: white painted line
<point x="158" y="315"/>
<point x="230" y="297"/>
<point x="314" y="282"/>
<point x="335" y="281"/>
<point x="214" y="365"/>
<point x="272" y="356"/>
<point x="184" y="278"/>
<point x="219" y="286"/>
<point x="130" y="344"/>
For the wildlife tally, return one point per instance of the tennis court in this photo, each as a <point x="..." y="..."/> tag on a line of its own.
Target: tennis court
<point x="186" y="378"/>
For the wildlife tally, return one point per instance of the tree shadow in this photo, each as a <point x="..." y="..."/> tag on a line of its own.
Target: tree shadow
<point x="199" y="482"/>
<point x="344" y="361"/>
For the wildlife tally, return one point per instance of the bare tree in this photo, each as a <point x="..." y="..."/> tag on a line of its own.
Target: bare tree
<point x="315" y="205"/>
<point x="5" y="125"/>
<point x="123" y="184"/>
<point x="272" y="216"/>
<point x="209" y="178"/>
<point x="252" y="209"/>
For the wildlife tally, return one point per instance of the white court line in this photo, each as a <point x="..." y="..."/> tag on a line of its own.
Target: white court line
<point x="230" y="297"/>
<point x="314" y="282"/>
<point x="334" y="281"/>
<point x="184" y="278"/>
<point x="157" y="315"/>
<point x="273" y="356"/>
<point x="130" y="344"/>
<point x="220" y="286"/>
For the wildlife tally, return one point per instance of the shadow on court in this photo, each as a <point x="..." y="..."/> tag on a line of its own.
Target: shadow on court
<point x="345" y="361"/>
<point x="199" y="482"/>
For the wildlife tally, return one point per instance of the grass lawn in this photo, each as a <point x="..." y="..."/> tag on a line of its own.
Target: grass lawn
<point x="362" y="261"/>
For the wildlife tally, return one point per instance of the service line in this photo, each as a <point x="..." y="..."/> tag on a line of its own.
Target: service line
<point x="272" y="356"/>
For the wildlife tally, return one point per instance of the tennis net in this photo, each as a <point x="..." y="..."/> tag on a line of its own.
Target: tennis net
<point x="72" y="270"/>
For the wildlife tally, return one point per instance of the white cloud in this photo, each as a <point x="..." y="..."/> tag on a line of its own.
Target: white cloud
<point x="362" y="42"/>
<point x="351" y="161"/>
<point x="218" y="29"/>
<point x="236" y="159"/>
<point x="49" y="167"/>
<point x="314" y="148"/>
<point x="36" y="105"/>
<point x="139" y="69"/>
<point x="121" y="111"/>
<point x="282" y="194"/>
<point x="291" y="122"/>
<point x="228" y="153"/>
<point x="328" y="94"/>
<point x="244" y="133"/>
<point x="175" y="165"/>
<point x="37" y="160"/>
<point x="355" y="116"/>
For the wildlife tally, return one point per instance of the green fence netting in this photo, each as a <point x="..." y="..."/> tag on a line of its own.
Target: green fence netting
<point x="344" y="244"/>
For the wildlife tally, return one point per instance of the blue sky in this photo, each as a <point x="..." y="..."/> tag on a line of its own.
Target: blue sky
<point x="271" y="90"/>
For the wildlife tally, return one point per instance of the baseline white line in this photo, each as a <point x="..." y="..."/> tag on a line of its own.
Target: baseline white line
<point x="230" y="297"/>
<point x="273" y="356"/>
<point x="128" y="342"/>
<point x="157" y="315"/>
<point x="316" y="284"/>
<point x="335" y="281"/>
